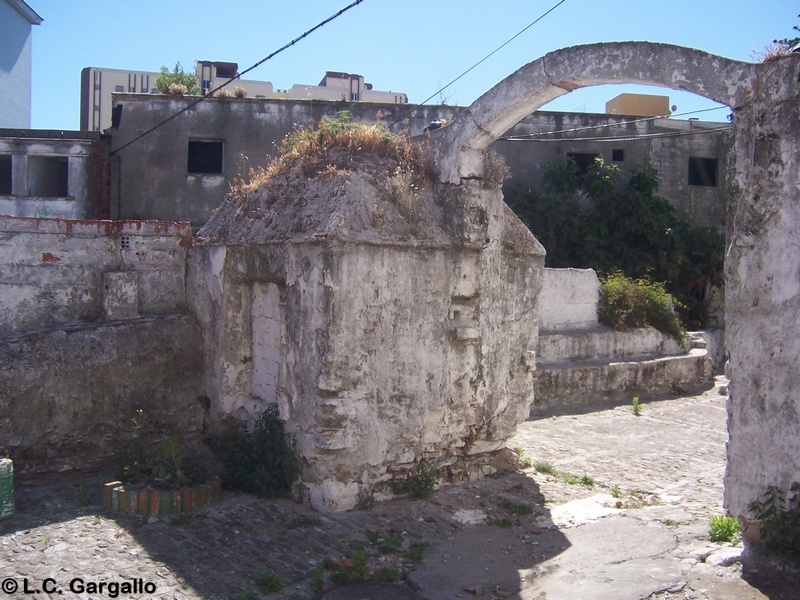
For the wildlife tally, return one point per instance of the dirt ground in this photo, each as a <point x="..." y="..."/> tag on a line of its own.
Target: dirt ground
<point x="613" y="505"/>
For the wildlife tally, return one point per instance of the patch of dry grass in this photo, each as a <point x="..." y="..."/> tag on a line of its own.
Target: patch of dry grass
<point x="332" y="145"/>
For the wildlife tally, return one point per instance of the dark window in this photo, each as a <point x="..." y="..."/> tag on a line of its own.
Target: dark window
<point x="618" y="155"/>
<point x="48" y="176"/>
<point x="703" y="171"/>
<point x="5" y="175"/>
<point x="205" y="157"/>
<point x="584" y="161"/>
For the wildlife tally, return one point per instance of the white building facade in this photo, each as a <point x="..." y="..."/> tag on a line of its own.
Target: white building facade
<point x="16" y="19"/>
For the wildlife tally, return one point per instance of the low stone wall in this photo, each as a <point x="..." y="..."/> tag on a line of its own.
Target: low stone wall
<point x="66" y="394"/>
<point x="569" y="299"/>
<point x="52" y="270"/>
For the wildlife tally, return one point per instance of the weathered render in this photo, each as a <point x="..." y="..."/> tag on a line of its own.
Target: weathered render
<point x="762" y="273"/>
<point x="392" y="328"/>
<point x="762" y="265"/>
<point x="94" y="328"/>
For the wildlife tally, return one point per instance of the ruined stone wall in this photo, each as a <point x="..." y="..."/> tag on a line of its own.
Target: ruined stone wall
<point x="67" y="395"/>
<point x="77" y="359"/>
<point x="762" y="308"/>
<point x="56" y="271"/>
<point x="389" y="337"/>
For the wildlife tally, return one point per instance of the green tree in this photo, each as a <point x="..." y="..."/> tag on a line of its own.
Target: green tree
<point x="587" y="220"/>
<point x="177" y="78"/>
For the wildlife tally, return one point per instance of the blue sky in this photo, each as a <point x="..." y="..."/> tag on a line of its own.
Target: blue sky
<point x="411" y="46"/>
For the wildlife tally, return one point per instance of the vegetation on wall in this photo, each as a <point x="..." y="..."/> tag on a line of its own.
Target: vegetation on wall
<point x="177" y="82"/>
<point x="587" y="220"/>
<point x="627" y="303"/>
<point x="329" y="145"/>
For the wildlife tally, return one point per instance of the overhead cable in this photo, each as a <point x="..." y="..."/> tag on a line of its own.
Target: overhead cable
<point x="620" y="138"/>
<point x="529" y="136"/>
<point x="500" y="47"/>
<point x="238" y="75"/>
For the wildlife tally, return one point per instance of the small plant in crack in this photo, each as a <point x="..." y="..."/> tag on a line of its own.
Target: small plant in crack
<point x="517" y="508"/>
<point x="723" y="529"/>
<point x="546" y="467"/>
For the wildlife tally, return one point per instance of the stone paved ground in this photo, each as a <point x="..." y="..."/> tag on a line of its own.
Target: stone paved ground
<point x="527" y="535"/>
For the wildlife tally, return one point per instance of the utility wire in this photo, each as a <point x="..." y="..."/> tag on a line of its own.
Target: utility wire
<point x="530" y="136"/>
<point x="500" y="47"/>
<point x="644" y="136"/>
<point x="238" y="76"/>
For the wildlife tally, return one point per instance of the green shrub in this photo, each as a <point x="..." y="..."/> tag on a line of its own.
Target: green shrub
<point x="271" y="582"/>
<point x="260" y="460"/>
<point x="186" y="82"/>
<point x="780" y="521"/>
<point x="626" y="303"/>
<point x="723" y="529"/>
<point x="148" y="456"/>
<point x="419" y="485"/>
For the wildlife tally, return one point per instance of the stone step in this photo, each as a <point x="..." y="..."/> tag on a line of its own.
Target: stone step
<point x="569" y="386"/>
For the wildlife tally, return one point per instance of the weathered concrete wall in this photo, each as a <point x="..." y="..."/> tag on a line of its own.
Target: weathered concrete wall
<point x="762" y="308"/>
<point x="52" y="270"/>
<point x="569" y="299"/>
<point x="37" y="185"/>
<point x="254" y="128"/>
<point x="66" y="394"/>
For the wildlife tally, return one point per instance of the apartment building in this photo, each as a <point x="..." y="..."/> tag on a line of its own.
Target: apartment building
<point x="16" y="20"/>
<point x="98" y="85"/>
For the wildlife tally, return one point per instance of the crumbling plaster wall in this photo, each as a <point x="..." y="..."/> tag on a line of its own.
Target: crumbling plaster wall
<point x="52" y="270"/>
<point x="77" y="358"/>
<point x="392" y="352"/>
<point x="762" y="272"/>
<point x="569" y="299"/>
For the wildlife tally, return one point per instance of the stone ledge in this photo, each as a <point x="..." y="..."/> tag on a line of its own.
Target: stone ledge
<point x="134" y="500"/>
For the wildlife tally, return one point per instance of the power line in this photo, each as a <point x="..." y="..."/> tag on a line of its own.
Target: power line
<point x="500" y="47"/>
<point x="644" y="136"/>
<point x="238" y="76"/>
<point x="529" y="136"/>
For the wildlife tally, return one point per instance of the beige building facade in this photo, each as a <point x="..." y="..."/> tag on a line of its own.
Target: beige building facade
<point x="98" y="85"/>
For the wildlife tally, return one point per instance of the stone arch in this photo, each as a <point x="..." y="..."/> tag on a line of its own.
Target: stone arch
<point x="762" y="264"/>
<point x="458" y="148"/>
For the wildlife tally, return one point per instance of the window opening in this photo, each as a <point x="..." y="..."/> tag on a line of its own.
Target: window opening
<point x="48" y="176"/>
<point x="703" y="171"/>
<point x="205" y="157"/>
<point x="618" y="155"/>
<point x="5" y="175"/>
<point x="584" y="161"/>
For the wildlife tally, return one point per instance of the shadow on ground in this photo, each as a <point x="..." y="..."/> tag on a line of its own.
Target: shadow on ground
<point x="481" y="537"/>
